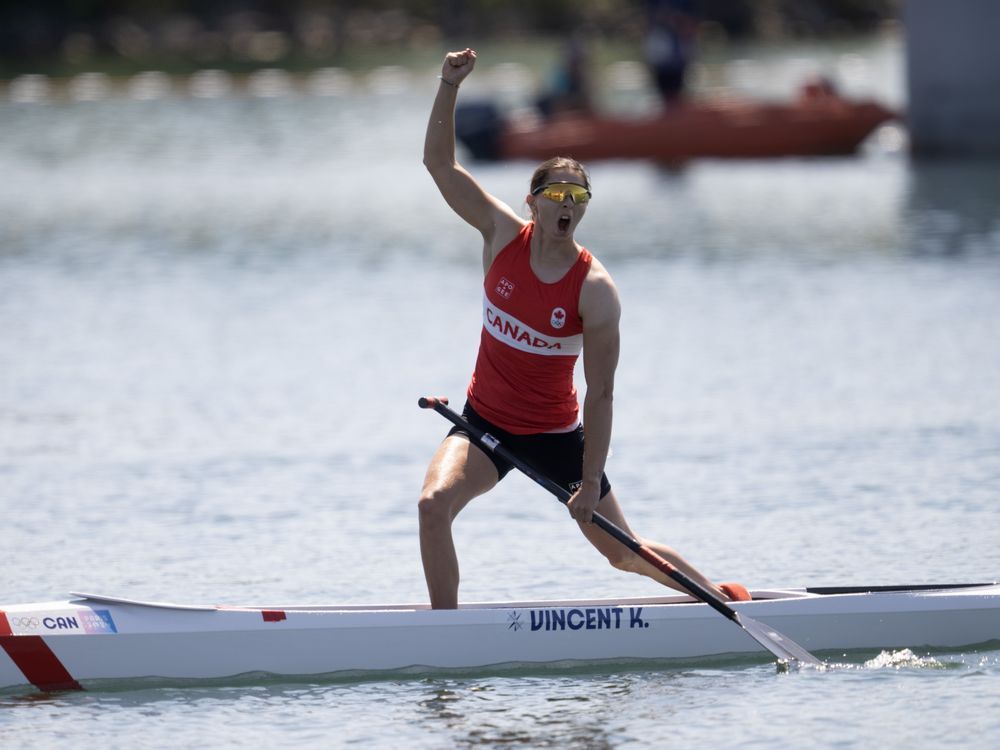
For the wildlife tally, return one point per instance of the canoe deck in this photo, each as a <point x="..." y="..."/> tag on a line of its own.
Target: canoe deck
<point x="87" y="639"/>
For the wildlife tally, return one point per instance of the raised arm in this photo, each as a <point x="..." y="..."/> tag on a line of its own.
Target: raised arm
<point x="493" y="218"/>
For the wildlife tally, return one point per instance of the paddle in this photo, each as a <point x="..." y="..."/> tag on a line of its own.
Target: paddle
<point x="784" y="648"/>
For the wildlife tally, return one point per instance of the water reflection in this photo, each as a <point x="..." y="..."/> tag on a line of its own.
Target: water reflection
<point x="577" y="713"/>
<point x="951" y="208"/>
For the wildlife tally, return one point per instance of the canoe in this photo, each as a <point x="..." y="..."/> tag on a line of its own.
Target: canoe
<point x="88" y="640"/>
<point x="809" y="126"/>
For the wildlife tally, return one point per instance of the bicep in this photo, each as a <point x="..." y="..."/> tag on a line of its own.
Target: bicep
<point x="601" y="347"/>
<point x="601" y="338"/>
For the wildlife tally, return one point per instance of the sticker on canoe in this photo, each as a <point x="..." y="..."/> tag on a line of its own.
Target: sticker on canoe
<point x="589" y="618"/>
<point x="86" y="621"/>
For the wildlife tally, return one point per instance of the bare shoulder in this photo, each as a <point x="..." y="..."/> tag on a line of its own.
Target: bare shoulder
<point x="599" y="303"/>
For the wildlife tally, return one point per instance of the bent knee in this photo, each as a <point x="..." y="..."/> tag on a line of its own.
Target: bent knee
<point x="624" y="560"/>
<point x="436" y="506"/>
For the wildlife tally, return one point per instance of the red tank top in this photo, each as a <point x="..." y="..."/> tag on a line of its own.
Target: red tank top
<point x="532" y="335"/>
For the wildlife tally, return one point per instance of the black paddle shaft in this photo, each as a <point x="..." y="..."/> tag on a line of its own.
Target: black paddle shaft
<point x="490" y="443"/>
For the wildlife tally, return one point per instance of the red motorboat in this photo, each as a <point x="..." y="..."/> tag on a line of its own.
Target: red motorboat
<point x="818" y="123"/>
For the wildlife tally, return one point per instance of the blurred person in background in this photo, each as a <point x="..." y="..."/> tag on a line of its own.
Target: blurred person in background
<point x="569" y="86"/>
<point x="669" y="45"/>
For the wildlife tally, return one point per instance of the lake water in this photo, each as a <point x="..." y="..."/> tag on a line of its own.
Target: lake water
<point x="217" y="315"/>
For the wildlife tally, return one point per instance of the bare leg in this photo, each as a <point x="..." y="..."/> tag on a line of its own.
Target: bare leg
<point x="458" y="472"/>
<point x="623" y="558"/>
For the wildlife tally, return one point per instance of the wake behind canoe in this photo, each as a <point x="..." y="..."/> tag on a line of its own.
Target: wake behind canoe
<point x="73" y="643"/>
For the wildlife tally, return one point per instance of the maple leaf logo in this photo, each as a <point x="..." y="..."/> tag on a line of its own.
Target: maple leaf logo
<point x="558" y="319"/>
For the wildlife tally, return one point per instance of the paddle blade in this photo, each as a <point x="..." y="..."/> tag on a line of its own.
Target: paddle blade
<point x="780" y="645"/>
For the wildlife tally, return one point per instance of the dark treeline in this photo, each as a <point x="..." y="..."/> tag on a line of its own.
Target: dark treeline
<point x="70" y="33"/>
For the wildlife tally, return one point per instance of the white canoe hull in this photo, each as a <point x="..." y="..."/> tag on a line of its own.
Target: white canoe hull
<point x="72" y="643"/>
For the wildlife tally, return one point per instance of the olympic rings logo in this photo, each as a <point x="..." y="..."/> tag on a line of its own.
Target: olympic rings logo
<point x="29" y="623"/>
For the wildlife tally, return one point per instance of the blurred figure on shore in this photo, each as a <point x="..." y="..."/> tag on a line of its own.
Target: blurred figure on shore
<point x="818" y="87"/>
<point x="669" y="46"/>
<point x="568" y="87"/>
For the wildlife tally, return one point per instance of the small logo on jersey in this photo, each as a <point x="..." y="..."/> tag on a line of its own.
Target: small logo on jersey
<point x="505" y="288"/>
<point x="558" y="318"/>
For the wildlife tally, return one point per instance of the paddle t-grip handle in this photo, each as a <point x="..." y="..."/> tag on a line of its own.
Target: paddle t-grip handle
<point x="430" y="402"/>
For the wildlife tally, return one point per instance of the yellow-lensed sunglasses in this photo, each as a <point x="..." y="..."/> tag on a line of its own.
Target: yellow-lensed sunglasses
<point x="558" y="191"/>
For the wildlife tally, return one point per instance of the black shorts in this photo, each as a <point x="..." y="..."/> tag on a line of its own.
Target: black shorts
<point x="556" y="455"/>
